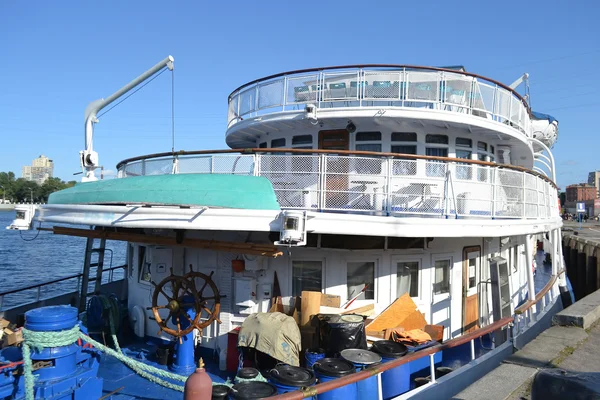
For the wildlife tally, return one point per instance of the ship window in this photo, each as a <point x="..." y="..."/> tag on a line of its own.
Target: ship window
<point x="435" y="168"/>
<point x="441" y="283"/>
<point x="306" y="275"/>
<point x="464" y="142"/>
<point x="369" y="147"/>
<point x="368" y="136"/>
<point x="302" y="139"/>
<point x="436" y="139"/>
<point x="407" y="278"/>
<point x="143" y="265"/>
<point x="482" y="146"/>
<point x="472" y="272"/>
<point x="262" y="145"/>
<point x="463" y="171"/>
<point x="404" y="136"/>
<point x="492" y="150"/>
<point x="404" y="149"/>
<point x="358" y="275"/>
<point x="275" y="143"/>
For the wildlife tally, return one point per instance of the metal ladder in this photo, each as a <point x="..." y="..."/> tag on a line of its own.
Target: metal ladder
<point x="90" y="250"/>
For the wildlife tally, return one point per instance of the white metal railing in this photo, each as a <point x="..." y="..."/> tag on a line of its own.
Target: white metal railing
<point x="56" y="287"/>
<point x="375" y="185"/>
<point x="422" y="87"/>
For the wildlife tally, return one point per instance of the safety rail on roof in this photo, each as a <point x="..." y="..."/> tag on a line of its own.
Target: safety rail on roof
<point x="380" y="86"/>
<point x="373" y="183"/>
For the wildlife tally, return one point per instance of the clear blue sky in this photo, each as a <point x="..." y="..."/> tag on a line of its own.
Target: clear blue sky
<point x="57" y="56"/>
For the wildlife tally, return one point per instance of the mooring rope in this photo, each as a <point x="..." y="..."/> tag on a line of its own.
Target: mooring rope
<point x="39" y="340"/>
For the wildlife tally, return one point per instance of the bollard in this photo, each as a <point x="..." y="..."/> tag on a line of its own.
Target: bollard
<point x="592" y="275"/>
<point x="581" y="275"/>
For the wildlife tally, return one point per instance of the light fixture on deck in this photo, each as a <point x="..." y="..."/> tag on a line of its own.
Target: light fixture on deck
<point x="293" y="229"/>
<point x="310" y="113"/>
<point x="351" y="128"/>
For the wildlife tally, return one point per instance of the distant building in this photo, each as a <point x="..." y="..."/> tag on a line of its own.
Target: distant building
<point x="581" y="193"/>
<point x="594" y="180"/>
<point x="40" y="169"/>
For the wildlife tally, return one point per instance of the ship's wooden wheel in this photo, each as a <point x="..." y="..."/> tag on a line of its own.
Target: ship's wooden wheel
<point x="185" y="296"/>
<point x="212" y="311"/>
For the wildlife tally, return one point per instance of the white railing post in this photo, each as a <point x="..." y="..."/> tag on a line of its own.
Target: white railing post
<point x="432" y="367"/>
<point x="472" y="349"/>
<point x="257" y="159"/>
<point x="379" y="387"/>
<point x="389" y="162"/>
<point x="322" y="177"/>
<point x="284" y="94"/>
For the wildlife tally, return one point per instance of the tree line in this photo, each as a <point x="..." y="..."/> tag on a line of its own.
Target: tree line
<point x="23" y="191"/>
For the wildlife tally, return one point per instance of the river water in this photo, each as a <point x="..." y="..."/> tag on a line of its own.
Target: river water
<point x="32" y="257"/>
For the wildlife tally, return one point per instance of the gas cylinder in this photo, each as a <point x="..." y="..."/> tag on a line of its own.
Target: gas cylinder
<point x="198" y="385"/>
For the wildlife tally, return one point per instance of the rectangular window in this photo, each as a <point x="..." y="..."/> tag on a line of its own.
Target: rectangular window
<point x="464" y="142"/>
<point x="463" y="171"/>
<point x="436" y="139"/>
<point x="262" y="145"/>
<point x="368" y="147"/>
<point x="358" y="275"/>
<point x="407" y="278"/>
<point x="492" y="150"/>
<point x="441" y="283"/>
<point x="435" y="168"/>
<point x="277" y="143"/>
<point x="404" y="149"/>
<point x="306" y="275"/>
<point x="482" y="146"/>
<point x="404" y="136"/>
<point x="143" y="265"/>
<point x="472" y="266"/>
<point x="302" y="139"/>
<point x="368" y="136"/>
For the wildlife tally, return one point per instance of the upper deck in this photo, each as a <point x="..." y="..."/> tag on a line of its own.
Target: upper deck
<point x="447" y="94"/>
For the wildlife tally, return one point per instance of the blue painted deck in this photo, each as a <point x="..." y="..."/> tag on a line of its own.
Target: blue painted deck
<point x="129" y="385"/>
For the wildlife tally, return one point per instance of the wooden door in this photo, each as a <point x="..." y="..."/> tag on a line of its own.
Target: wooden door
<point x="336" y="179"/>
<point x="471" y="272"/>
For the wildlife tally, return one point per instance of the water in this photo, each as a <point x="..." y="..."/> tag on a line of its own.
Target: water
<point x="28" y="260"/>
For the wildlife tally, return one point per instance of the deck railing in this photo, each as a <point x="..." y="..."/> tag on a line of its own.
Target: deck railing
<point x="373" y="183"/>
<point x="381" y="86"/>
<point x="33" y="293"/>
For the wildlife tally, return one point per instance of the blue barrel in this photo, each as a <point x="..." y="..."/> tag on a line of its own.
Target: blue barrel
<point x="54" y="318"/>
<point x="361" y="359"/>
<point x="288" y="379"/>
<point x="328" y="369"/>
<point x="252" y="390"/>
<point x="395" y="381"/>
<point x="313" y="355"/>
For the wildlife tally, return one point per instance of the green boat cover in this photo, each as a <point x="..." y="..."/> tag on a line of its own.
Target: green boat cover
<point x="211" y="190"/>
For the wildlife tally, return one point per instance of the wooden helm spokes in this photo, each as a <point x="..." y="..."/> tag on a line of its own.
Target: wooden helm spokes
<point x="183" y="297"/>
<point x="212" y="311"/>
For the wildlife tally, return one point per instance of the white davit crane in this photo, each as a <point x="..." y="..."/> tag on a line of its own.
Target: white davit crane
<point x="88" y="157"/>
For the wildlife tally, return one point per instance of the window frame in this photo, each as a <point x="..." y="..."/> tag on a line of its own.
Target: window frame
<point x="307" y="259"/>
<point x="394" y="274"/>
<point x="375" y="262"/>
<point x="278" y="147"/>
<point x="436" y="298"/>
<point x="358" y="142"/>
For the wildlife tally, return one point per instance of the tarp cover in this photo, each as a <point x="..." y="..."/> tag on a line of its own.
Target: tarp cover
<point x="274" y="334"/>
<point x="539" y="115"/>
<point x="557" y="384"/>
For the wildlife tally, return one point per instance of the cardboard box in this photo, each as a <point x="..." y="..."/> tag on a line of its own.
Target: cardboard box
<point x="12" y="338"/>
